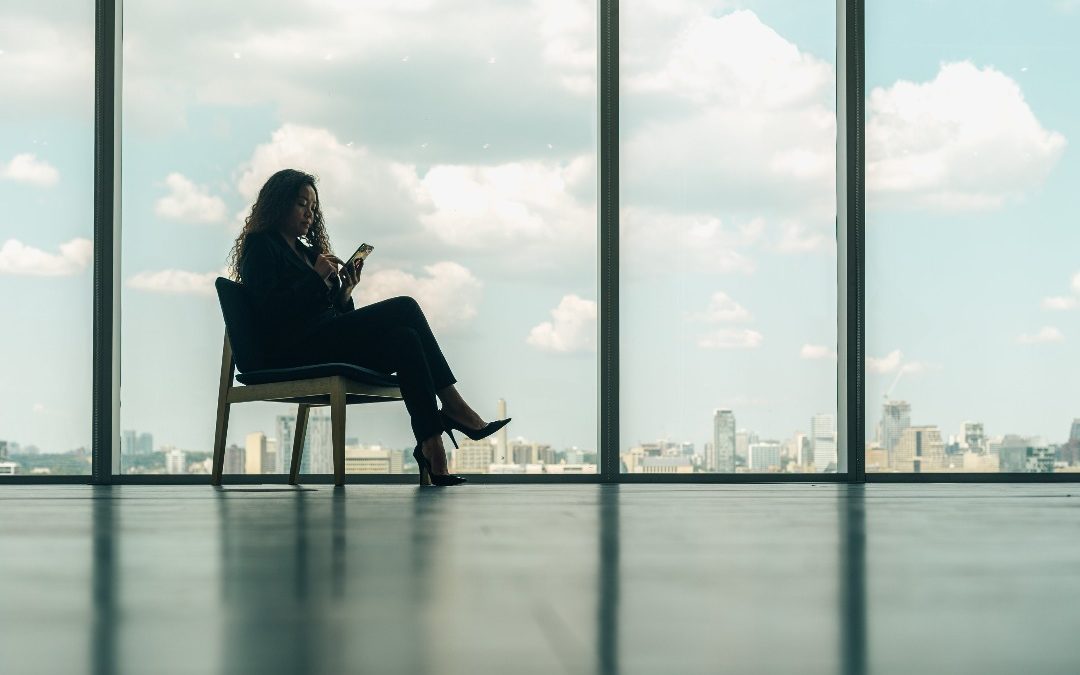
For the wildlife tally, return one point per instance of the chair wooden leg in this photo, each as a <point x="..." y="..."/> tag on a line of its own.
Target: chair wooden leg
<point x="298" y="441"/>
<point x="221" y="430"/>
<point x="337" y="423"/>
<point x="221" y="427"/>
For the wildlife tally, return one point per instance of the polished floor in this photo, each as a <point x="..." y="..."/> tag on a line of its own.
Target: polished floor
<point x="540" y="579"/>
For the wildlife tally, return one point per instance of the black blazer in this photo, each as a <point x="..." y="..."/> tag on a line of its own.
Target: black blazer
<point x="289" y="296"/>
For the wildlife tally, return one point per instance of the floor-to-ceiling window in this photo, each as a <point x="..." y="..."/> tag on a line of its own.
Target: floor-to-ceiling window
<point x="456" y="137"/>
<point x="46" y="236"/>
<point x="973" y="278"/>
<point x="727" y="309"/>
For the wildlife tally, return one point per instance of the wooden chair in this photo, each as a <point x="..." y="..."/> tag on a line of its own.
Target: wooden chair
<point x="334" y="384"/>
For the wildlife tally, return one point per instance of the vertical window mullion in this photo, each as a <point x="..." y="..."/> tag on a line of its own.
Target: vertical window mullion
<point x="608" y="436"/>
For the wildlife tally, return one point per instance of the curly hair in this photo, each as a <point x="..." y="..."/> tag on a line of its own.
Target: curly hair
<point x="276" y="196"/>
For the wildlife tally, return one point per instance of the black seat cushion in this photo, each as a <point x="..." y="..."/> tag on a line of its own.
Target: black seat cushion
<point x="352" y="372"/>
<point x="236" y="309"/>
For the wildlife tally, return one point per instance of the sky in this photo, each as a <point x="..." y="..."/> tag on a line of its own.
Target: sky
<point x="460" y="139"/>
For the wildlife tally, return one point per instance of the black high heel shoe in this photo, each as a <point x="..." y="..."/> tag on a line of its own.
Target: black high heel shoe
<point x="449" y="424"/>
<point x="427" y="477"/>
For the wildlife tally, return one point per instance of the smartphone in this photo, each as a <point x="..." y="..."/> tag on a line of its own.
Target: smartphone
<point x="361" y="253"/>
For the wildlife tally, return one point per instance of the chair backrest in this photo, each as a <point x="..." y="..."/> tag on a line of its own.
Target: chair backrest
<point x="237" y="310"/>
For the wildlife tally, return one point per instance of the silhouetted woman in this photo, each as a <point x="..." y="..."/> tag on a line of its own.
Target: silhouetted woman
<point x="304" y="293"/>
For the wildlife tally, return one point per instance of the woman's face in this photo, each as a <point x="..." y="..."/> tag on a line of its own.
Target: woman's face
<point x="300" y="216"/>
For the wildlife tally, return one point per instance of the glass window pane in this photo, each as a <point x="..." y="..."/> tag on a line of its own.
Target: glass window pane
<point x="456" y="137"/>
<point x="46" y="236"/>
<point x="973" y="283"/>
<point x="728" y="255"/>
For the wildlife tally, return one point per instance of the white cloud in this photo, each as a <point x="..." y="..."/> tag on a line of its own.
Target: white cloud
<point x="176" y="282"/>
<point x="449" y="294"/>
<point x="27" y="168"/>
<point x="731" y="338"/>
<point x="727" y="116"/>
<point x="966" y="140"/>
<point x="722" y="308"/>
<point x="1076" y="283"/>
<point x="816" y="352"/>
<point x="798" y="238"/>
<point x="1045" y="335"/>
<point x="514" y="204"/>
<point x="652" y="239"/>
<point x="354" y="185"/>
<point x="892" y="362"/>
<point x="1059" y="303"/>
<point x="189" y="202"/>
<point x="48" y="61"/>
<point x="19" y="259"/>
<point x="572" y="328"/>
<point x="38" y="408"/>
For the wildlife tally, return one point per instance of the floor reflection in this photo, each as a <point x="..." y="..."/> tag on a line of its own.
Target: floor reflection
<point x="853" y="579"/>
<point x="103" y="582"/>
<point x="607" y="616"/>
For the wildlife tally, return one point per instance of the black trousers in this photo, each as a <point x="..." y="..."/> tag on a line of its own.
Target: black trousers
<point x="388" y="336"/>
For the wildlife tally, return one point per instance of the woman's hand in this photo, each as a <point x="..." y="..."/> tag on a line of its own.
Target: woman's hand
<point x="349" y="276"/>
<point x="327" y="265"/>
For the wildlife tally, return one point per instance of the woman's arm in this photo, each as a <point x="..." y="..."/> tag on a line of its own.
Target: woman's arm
<point x="264" y="271"/>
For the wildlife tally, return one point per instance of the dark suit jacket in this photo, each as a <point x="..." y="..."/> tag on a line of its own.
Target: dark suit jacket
<point x="290" y="298"/>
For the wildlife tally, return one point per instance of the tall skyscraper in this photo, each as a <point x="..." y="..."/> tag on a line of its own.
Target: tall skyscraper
<point x="254" y="452"/>
<point x="502" y="449"/>
<point x="823" y="442"/>
<point x="1074" y="433"/>
<point x="803" y="456"/>
<point x="895" y="417"/>
<point x="128" y="442"/>
<point x="318" y="454"/>
<point x="234" y="460"/>
<point x="723" y="445"/>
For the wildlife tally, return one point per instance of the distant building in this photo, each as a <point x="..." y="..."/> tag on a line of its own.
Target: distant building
<point x="145" y="444"/>
<point x="475" y="456"/>
<point x="234" y="460"/>
<point x="175" y="461"/>
<point x="823" y="438"/>
<point x="318" y="452"/>
<point x="877" y="458"/>
<point x="1012" y="453"/>
<point x="129" y="441"/>
<point x="763" y="456"/>
<point x="919" y="450"/>
<point x="895" y="417"/>
<point x="666" y="465"/>
<point x="1040" y="459"/>
<point x="502" y="447"/>
<point x="523" y="452"/>
<point x="8" y="468"/>
<point x="372" y="460"/>
<point x="972" y="437"/>
<point x="256" y="450"/>
<point x="723" y="445"/>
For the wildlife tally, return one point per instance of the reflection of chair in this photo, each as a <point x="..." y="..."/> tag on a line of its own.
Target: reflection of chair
<point x="332" y="384"/>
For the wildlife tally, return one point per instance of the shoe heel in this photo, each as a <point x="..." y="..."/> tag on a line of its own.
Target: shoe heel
<point x="452" y="439"/>
<point x="425" y="477"/>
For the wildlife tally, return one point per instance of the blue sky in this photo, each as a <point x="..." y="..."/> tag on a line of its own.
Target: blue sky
<point x="468" y="161"/>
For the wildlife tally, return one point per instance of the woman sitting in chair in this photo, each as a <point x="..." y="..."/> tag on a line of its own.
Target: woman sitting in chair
<point x="283" y="256"/>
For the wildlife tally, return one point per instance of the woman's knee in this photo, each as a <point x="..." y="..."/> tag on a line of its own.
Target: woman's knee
<point x="406" y="302"/>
